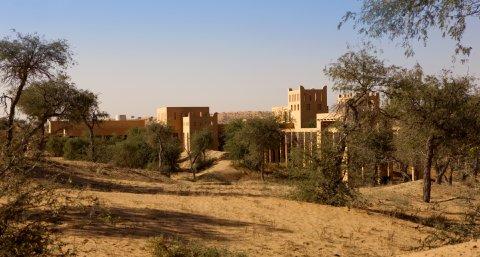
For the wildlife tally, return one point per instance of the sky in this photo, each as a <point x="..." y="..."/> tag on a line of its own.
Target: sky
<point x="230" y="55"/>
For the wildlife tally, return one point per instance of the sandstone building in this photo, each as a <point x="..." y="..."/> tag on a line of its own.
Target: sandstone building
<point x="185" y="121"/>
<point x="303" y="107"/>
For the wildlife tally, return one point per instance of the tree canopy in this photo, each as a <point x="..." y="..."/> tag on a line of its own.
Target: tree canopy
<point x="409" y="20"/>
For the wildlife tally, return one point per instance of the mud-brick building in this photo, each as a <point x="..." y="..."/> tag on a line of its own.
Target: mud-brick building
<point x="303" y="107"/>
<point x="185" y="121"/>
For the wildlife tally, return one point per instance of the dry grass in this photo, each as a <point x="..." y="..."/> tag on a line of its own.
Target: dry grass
<point x="241" y="215"/>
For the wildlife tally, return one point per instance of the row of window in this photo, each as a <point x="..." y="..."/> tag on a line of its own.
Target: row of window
<point x="181" y="114"/>
<point x="296" y="98"/>
<point x="194" y="123"/>
<point x="308" y="107"/>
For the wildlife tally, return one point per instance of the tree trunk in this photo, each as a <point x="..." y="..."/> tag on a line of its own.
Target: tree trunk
<point x="427" y="182"/>
<point x="193" y="169"/>
<point x="342" y="145"/>
<point x="160" y="149"/>
<point x="41" y="143"/>
<point x="92" y="143"/>
<point x="441" y="169"/>
<point x="404" y="172"/>
<point x="11" y="113"/>
<point x="450" y="179"/>
<point x="450" y="176"/>
<point x="262" y="175"/>
<point x="39" y="127"/>
<point x="476" y="166"/>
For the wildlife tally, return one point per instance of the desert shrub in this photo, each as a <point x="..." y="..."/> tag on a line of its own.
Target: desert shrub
<point x="22" y="233"/>
<point x="133" y="152"/>
<point x="317" y="180"/>
<point x="75" y="149"/>
<point x="174" y="247"/>
<point x="437" y="221"/>
<point x="55" y="145"/>
<point x="105" y="153"/>
<point x="105" y="149"/>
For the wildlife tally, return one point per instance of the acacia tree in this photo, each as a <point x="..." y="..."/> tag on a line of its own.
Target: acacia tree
<point x="370" y="147"/>
<point x="24" y="59"/>
<point x="407" y="141"/>
<point x="442" y="108"/>
<point x="160" y="137"/>
<point x="361" y="74"/>
<point x="409" y="20"/>
<point x="85" y="109"/>
<point x="45" y="100"/>
<point x="249" y="141"/>
<point x="199" y="143"/>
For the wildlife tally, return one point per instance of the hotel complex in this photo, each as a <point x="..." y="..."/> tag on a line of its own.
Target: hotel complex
<point x="304" y="118"/>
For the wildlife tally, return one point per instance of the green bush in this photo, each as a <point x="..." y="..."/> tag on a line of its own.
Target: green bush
<point x="173" y="247"/>
<point x="247" y="142"/>
<point x="132" y="153"/>
<point x="75" y="149"/>
<point x="170" y="156"/>
<point x="105" y="149"/>
<point x="55" y="145"/>
<point x="317" y="179"/>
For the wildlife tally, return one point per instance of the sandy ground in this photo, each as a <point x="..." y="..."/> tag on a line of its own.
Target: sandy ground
<point x="226" y="208"/>
<point x="468" y="249"/>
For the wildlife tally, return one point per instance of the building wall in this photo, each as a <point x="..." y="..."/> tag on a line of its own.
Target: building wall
<point x="303" y="106"/>
<point x="197" y="118"/>
<point x="194" y="123"/>
<point x="104" y="128"/>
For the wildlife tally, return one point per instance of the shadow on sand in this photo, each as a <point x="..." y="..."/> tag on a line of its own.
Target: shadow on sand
<point x="143" y="223"/>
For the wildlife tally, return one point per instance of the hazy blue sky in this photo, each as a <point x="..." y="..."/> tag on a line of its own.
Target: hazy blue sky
<point x="229" y="55"/>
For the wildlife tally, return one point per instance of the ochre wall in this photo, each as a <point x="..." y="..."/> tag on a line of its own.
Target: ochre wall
<point x="104" y="128"/>
<point x="199" y="117"/>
